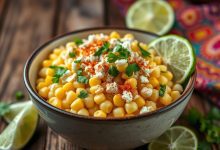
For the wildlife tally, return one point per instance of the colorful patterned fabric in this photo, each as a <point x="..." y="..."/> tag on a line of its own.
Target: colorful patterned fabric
<point x="201" y="25"/>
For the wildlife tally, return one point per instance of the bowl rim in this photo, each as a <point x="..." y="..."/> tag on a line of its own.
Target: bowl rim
<point x="37" y="98"/>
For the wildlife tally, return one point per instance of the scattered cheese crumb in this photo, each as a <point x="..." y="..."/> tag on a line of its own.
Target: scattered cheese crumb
<point x="127" y="96"/>
<point x="112" y="87"/>
<point x="146" y="109"/>
<point x="121" y="62"/>
<point x="147" y="91"/>
<point x="144" y="79"/>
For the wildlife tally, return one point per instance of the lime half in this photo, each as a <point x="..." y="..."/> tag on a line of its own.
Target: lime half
<point x="155" y="16"/>
<point x="176" y="138"/>
<point x="21" y="128"/>
<point x="177" y="53"/>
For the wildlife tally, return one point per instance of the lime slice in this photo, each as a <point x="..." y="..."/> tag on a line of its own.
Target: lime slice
<point x="178" y="54"/>
<point x="155" y="16"/>
<point x="176" y="138"/>
<point x="21" y="128"/>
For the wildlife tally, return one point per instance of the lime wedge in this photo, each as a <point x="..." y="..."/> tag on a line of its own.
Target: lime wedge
<point x="178" y="54"/>
<point x="155" y="16"/>
<point x="176" y="138"/>
<point x="21" y="128"/>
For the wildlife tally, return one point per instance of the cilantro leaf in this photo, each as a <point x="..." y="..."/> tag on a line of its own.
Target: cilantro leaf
<point x="72" y="54"/>
<point x="214" y="113"/>
<point x="131" y="68"/>
<point x="102" y="49"/>
<point x="77" y="61"/>
<point x="19" y="95"/>
<point x="59" y="71"/>
<point x="113" y="71"/>
<point x="112" y="57"/>
<point x="78" y="41"/>
<point x="82" y="79"/>
<point x="143" y="51"/>
<point x="83" y="94"/>
<point x="162" y="90"/>
<point x="79" y="72"/>
<point x="4" y="108"/>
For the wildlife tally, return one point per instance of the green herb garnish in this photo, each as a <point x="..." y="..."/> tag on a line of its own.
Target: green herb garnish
<point x="102" y="49"/>
<point x="4" y="108"/>
<point x="78" y="41"/>
<point x="83" y="94"/>
<point x="59" y="71"/>
<point x="113" y="71"/>
<point x="19" y="95"/>
<point x="143" y="51"/>
<point x="77" y="61"/>
<point x="112" y="57"/>
<point x="79" y="72"/>
<point x="162" y="90"/>
<point x="131" y="68"/>
<point x="82" y="79"/>
<point x="72" y="54"/>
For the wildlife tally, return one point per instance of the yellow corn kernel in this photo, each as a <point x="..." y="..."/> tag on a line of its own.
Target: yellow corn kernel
<point x="97" y="89"/>
<point x="78" y="90"/>
<point x="99" y="98"/>
<point x="70" y="97"/>
<point x="158" y="60"/>
<point x="121" y="67"/>
<point x="177" y="87"/>
<point x="106" y="106"/>
<point x="155" y="95"/>
<point x="57" y="51"/>
<point x="68" y="87"/>
<point x="152" y="51"/>
<point x="128" y="36"/>
<point x="46" y="63"/>
<point x="131" y="107"/>
<point x="78" y="85"/>
<point x="115" y="35"/>
<point x="40" y="80"/>
<point x="148" y="85"/>
<point x="50" y="72"/>
<point x="134" y="46"/>
<point x="132" y="82"/>
<point x="93" y="110"/>
<point x="155" y="73"/>
<point x="152" y="64"/>
<point x="175" y="95"/>
<point x="168" y="89"/>
<point x="43" y="72"/>
<point x="163" y="68"/>
<point x="41" y="85"/>
<point x="170" y="83"/>
<point x="139" y="100"/>
<point x="55" y="102"/>
<point x="100" y="113"/>
<point x="51" y="94"/>
<point x="154" y="82"/>
<point x="94" y="81"/>
<point x="73" y="111"/>
<point x="53" y="56"/>
<point x="166" y="99"/>
<point x="118" y="101"/>
<point x="43" y="92"/>
<point x="118" y="112"/>
<point x="152" y="104"/>
<point x="48" y="80"/>
<point x="168" y="75"/>
<point x="58" y="61"/>
<point x="144" y="46"/>
<point x="163" y="80"/>
<point x="89" y="101"/>
<point x="60" y="93"/>
<point x="83" y="112"/>
<point x="124" y="76"/>
<point x="77" y="104"/>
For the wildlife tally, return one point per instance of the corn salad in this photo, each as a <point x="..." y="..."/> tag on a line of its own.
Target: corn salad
<point x="106" y="76"/>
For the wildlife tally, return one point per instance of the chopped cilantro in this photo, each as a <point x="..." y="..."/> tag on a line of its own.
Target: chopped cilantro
<point x="82" y="79"/>
<point x="112" y="57"/>
<point x="83" y="94"/>
<point x="113" y="71"/>
<point x="4" y="108"/>
<point x="78" y="41"/>
<point x="77" y="61"/>
<point x="131" y="68"/>
<point x="79" y="72"/>
<point x="122" y="53"/>
<point x="59" y="71"/>
<point x="162" y="90"/>
<point x="102" y="49"/>
<point x="72" y="54"/>
<point x="143" y="52"/>
<point x="19" y="95"/>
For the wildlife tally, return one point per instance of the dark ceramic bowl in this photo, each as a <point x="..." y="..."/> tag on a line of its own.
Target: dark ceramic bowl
<point x="97" y="133"/>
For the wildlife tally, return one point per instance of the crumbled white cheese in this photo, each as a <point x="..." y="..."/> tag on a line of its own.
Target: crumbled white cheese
<point x="147" y="71"/>
<point x="126" y="44"/>
<point x="65" y="76"/>
<point x="102" y="36"/>
<point x="99" y="75"/>
<point x="53" y="86"/>
<point x="99" y="70"/>
<point x="74" y="66"/>
<point x="71" y="78"/>
<point x="145" y="109"/>
<point x="112" y="87"/>
<point x="127" y="96"/>
<point x="121" y="62"/>
<point x="144" y="79"/>
<point x="109" y="78"/>
<point x="147" y="91"/>
<point x="90" y="58"/>
<point x="113" y="42"/>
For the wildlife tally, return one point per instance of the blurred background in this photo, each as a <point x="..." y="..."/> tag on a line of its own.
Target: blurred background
<point x="27" y="24"/>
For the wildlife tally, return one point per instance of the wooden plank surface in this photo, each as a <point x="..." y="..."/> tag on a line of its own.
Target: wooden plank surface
<point x="26" y="24"/>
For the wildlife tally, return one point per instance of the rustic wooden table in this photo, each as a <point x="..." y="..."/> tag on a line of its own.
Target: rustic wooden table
<point x="26" y="24"/>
